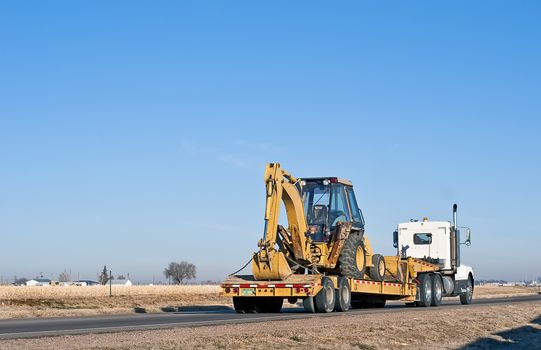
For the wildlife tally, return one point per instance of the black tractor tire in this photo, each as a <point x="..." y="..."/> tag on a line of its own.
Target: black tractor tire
<point x="343" y="295"/>
<point x="325" y="299"/>
<point x="244" y="305"/>
<point x="377" y="272"/>
<point x="466" y="297"/>
<point x="425" y="290"/>
<point x="268" y="305"/>
<point x="348" y="260"/>
<point x="437" y="290"/>
<point x="309" y="305"/>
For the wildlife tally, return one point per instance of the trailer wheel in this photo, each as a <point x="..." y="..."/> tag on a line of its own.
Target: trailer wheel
<point x="343" y="295"/>
<point x="425" y="290"/>
<point x="466" y="297"/>
<point x="244" y="305"/>
<point x="268" y="305"/>
<point x="411" y="304"/>
<point x="380" y="303"/>
<point x="325" y="298"/>
<point x="352" y="260"/>
<point x="437" y="290"/>
<point x="309" y="305"/>
<point x="377" y="272"/>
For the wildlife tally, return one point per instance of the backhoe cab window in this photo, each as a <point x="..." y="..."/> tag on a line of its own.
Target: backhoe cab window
<point x="324" y="206"/>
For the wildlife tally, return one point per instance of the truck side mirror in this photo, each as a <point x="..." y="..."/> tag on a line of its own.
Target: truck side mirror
<point x="468" y="237"/>
<point x="395" y="239"/>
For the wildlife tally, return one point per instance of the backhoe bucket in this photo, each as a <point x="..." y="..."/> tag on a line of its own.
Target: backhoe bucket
<point x="278" y="269"/>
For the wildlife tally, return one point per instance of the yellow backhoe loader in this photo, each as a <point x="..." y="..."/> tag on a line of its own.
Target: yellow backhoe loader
<point x="325" y="231"/>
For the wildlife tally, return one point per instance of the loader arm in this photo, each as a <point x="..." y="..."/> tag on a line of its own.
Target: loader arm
<point x="269" y="263"/>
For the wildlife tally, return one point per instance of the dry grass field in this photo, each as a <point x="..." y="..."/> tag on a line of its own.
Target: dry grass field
<point x="79" y="301"/>
<point x="514" y="326"/>
<point x="17" y="302"/>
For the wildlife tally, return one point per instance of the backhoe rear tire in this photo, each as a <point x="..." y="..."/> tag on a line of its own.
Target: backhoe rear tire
<point x="352" y="261"/>
<point x="325" y="299"/>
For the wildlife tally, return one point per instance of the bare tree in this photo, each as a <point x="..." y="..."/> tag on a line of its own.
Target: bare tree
<point x="180" y="272"/>
<point x="64" y="276"/>
<point x="104" y="276"/>
<point x="121" y="277"/>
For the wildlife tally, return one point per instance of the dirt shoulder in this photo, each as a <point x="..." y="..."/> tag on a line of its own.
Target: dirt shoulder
<point x="471" y="327"/>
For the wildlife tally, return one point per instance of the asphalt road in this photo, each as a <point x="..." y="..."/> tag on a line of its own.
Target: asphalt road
<point x="39" y="327"/>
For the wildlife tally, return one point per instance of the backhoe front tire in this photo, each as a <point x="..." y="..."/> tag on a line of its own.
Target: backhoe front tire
<point x="377" y="272"/>
<point x="352" y="261"/>
<point x="325" y="299"/>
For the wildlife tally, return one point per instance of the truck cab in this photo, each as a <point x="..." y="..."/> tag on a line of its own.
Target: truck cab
<point x="439" y="243"/>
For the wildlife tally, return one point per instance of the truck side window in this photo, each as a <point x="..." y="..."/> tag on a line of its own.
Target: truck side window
<point x="422" y="238"/>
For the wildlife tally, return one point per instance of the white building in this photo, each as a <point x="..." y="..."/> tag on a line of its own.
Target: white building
<point x="38" y="282"/>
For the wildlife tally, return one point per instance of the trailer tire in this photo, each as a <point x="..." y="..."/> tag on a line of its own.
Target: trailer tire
<point x="343" y="295"/>
<point x="309" y="305"/>
<point x="268" y="305"/>
<point x="377" y="272"/>
<point x="380" y="303"/>
<point x="437" y="290"/>
<point x="325" y="299"/>
<point x="244" y="305"/>
<point x="425" y="290"/>
<point x="352" y="260"/>
<point x="466" y="297"/>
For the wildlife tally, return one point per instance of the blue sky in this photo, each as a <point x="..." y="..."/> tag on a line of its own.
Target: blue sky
<point x="133" y="133"/>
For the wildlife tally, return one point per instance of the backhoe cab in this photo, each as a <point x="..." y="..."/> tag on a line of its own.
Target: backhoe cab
<point x="325" y="230"/>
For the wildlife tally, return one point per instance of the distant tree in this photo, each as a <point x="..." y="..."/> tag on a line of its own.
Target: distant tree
<point x="104" y="276"/>
<point x="64" y="276"/>
<point x="19" y="281"/>
<point x="121" y="277"/>
<point x="179" y="272"/>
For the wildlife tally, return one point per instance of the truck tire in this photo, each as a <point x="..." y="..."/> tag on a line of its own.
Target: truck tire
<point x="425" y="290"/>
<point x="437" y="290"/>
<point x="244" y="305"/>
<point x="325" y="299"/>
<point x="380" y="303"/>
<point x="377" y="272"/>
<point x="268" y="305"/>
<point x="466" y="297"/>
<point x="352" y="260"/>
<point x="343" y="295"/>
<point x="309" y="305"/>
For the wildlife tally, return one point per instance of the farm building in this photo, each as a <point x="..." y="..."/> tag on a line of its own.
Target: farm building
<point x="38" y="282"/>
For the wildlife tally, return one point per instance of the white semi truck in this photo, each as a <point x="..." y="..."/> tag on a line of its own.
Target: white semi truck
<point x="438" y="242"/>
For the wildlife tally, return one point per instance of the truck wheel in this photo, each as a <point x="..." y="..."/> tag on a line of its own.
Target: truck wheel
<point x="377" y="272"/>
<point x="309" y="305"/>
<point x="244" y="305"/>
<point x="342" y="295"/>
<point x="353" y="257"/>
<point x="437" y="290"/>
<point x="325" y="298"/>
<point x="380" y="303"/>
<point x="425" y="290"/>
<point x="268" y="305"/>
<point x="465" y="298"/>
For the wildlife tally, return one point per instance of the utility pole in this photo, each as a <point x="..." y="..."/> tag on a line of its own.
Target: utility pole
<point x="110" y="283"/>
